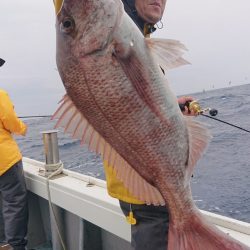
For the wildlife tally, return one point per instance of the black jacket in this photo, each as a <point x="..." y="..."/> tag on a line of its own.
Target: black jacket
<point x="145" y="28"/>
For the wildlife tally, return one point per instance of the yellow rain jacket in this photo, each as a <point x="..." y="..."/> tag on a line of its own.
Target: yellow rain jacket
<point x="9" y="123"/>
<point x="116" y="188"/>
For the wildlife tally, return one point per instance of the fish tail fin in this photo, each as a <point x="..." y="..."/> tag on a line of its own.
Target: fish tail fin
<point x="198" y="234"/>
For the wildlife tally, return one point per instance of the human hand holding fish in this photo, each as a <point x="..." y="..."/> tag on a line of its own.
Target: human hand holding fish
<point x="120" y="104"/>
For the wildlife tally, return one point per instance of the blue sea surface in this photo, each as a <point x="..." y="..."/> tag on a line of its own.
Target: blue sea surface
<point x="221" y="181"/>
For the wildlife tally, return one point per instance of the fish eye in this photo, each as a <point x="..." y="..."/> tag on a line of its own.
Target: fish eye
<point x="67" y="25"/>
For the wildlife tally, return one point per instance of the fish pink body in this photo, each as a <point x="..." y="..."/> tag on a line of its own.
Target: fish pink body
<point x="119" y="103"/>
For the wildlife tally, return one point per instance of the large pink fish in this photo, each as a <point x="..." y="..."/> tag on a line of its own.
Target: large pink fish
<point x="120" y="104"/>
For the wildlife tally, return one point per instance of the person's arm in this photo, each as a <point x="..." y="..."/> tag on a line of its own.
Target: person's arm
<point x="8" y="116"/>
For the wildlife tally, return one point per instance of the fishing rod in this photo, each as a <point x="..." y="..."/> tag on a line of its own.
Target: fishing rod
<point x="226" y="123"/>
<point x="196" y="108"/>
<point x="192" y="106"/>
<point x="34" y="116"/>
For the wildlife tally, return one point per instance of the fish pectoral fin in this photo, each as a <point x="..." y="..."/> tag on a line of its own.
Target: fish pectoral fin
<point x="199" y="138"/>
<point x="167" y="52"/>
<point x="73" y="122"/>
<point x="141" y="77"/>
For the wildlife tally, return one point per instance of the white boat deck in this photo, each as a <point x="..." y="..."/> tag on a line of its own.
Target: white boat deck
<point x="72" y="192"/>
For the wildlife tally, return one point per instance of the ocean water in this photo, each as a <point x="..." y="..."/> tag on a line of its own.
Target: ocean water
<point x="221" y="181"/>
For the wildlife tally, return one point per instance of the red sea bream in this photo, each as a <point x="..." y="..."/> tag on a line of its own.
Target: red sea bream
<point x="119" y="102"/>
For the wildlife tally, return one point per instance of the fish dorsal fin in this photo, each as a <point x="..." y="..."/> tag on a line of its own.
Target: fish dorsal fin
<point x="73" y="122"/>
<point x="167" y="52"/>
<point x="199" y="138"/>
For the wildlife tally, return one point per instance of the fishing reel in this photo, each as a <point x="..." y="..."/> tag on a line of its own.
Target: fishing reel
<point x="194" y="106"/>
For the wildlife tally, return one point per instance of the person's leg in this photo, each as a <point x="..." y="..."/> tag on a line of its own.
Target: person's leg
<point x="151" y="229"/>
<point x="15" y="206"/>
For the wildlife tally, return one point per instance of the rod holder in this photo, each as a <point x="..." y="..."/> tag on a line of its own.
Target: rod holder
<point x="52" y="160"/>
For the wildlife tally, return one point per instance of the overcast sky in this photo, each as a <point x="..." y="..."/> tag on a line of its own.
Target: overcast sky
<point x="216" y="32"/>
